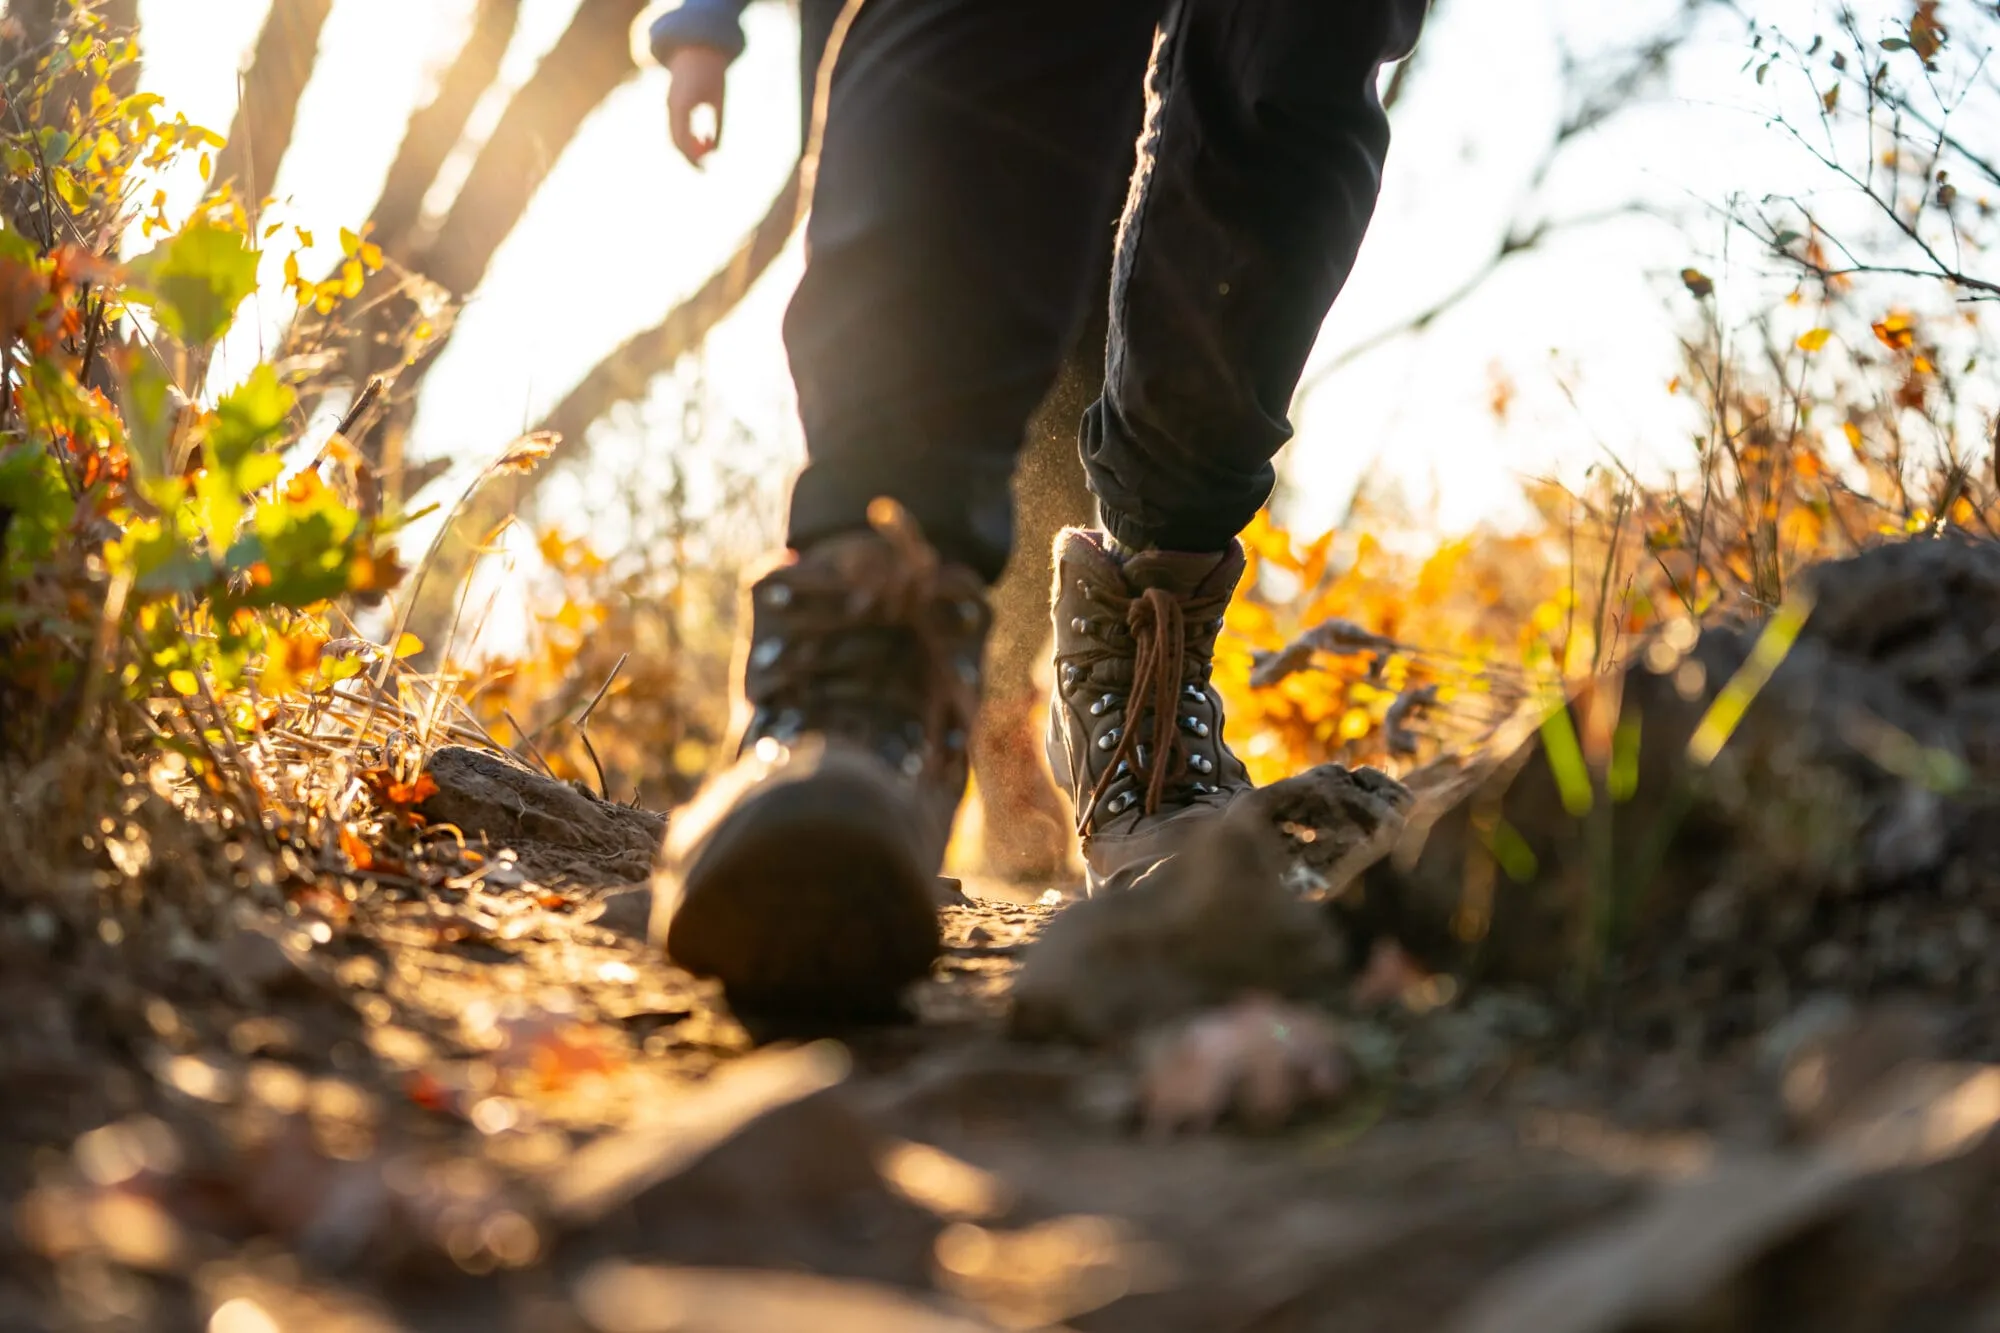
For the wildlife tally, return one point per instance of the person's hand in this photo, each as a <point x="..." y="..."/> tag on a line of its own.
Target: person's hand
<point x="696" y="76"/>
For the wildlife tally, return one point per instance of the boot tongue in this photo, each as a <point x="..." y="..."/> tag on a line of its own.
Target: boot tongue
<point x="1184" y="573"/>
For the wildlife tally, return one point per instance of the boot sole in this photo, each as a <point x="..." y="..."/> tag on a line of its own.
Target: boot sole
<point x="806" y="904"/>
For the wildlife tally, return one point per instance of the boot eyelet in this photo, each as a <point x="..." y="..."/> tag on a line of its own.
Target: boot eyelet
<point x="777" y="595"/>
<point x="1124" y="769"/>
<point x="1201" y="764"/>
<point x="1104" y="705"/>
<point x="1119" y="804"/>
<point x="1193" y="692"/>
<point x="968" y="611"/>
<point x="786" y="726"/>
<point x="954" y="741"/>
<point x="1194" y="726"/>
<point x="1142" y="754"/>
<point x="968" y="671"/>
<point x="1080" y="625"/>
<point x="766" y="652"/>
<point x="1109" y="740"/>
<point x="913" y="765"/>
<point x="1203" y="789"/>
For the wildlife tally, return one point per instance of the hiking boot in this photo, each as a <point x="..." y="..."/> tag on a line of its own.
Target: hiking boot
<point x="803" y="877"/>
<point x="1135" y="728"/>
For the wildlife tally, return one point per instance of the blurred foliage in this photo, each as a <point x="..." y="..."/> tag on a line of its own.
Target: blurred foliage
<point x="157" y="546"/>
<point x="1837" y="387"/>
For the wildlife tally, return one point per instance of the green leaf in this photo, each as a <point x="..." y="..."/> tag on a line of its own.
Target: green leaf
<point x="218" y="508"/>
<point x="306" y="548"/>
<point x="160" y="561"/>
<point x="247" y="419"/>
<point x="37" y="504"/>
<point x="18" y="247"/>
<point x="195" y="280"/>
<point x="150" y="414"/>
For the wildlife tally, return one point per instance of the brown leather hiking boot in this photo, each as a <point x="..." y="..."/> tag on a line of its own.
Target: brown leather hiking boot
<point x="803" y="876"/>
<point x="1135" y="729"/>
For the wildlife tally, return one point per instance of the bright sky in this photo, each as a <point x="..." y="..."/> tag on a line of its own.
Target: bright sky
<point x="623" y="228"/>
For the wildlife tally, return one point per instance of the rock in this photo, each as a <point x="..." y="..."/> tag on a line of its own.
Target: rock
<point x="766" y="1166"/>
<point x="1668" y="1261"/>
<point x="1839" y="781"/>
<point x="1336" y="820"/>
<point x="1200" y="929"/>
<point x="626" y="909"/>
<point x="556" y="830"/>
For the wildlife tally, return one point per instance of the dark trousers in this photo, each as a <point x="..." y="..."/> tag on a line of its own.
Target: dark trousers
<point x="972" y="150"/>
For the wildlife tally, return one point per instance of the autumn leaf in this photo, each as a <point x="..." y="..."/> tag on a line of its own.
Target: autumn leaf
<point x="1698" y="283"/>
<point x="1814" y="339"/>
<point x="1927" y="35"/>
<point x="411" y="793"/>
<point x="408" y="645"/>
<point x="358" y="852"/>
<point x="1896" y="331"/>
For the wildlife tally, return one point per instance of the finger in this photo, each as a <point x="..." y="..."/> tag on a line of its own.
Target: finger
<point x="680" y="126"/>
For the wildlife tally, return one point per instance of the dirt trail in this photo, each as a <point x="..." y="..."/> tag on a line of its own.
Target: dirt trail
<point x="487" y="1104"/>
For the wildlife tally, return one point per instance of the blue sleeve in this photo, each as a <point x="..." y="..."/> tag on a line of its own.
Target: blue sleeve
<point x="716" y="23"/>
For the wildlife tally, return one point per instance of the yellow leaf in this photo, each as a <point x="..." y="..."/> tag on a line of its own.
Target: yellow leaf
<point x="371" y="255"/>
<point x="349" y="242"/>
<point x="184" y="683"/>
<point x="1814" y="339"/>
<point x="408" y="645"/>
<point x="1853" y="433"/>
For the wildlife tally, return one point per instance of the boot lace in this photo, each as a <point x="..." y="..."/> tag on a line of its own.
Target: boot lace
<point x="1163" y="667"/>
<point x="843" y="658"/>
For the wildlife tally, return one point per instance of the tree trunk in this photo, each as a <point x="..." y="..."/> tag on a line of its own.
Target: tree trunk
<point x="280" y="68"/>
<point x="437" y="128"/>
<point x="123" y="18"/>
<point x="588" y="62"/>
<point x="622" y="377"/>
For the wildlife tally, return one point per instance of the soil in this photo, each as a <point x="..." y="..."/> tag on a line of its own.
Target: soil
<point x="1731" y="1074"/>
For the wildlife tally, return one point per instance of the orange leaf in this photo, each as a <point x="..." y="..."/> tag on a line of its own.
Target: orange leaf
<point x="357" y="851"/>
<point x="411" y="793"/>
